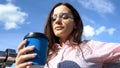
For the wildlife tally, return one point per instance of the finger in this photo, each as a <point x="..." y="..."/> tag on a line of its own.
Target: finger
<point x="24" y="65"/>
<point x="23" y="58"/>
<point x="25" y="50"/>
<point x="21" y="45"/>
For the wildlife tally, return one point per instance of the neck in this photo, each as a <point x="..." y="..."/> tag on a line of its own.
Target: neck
<point x="63" y="41"/>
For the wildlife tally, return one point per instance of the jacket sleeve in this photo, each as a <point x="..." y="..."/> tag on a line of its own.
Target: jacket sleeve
<point x="107" y="52"/>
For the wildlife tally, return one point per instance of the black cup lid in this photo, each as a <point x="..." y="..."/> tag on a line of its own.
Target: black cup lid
<point x="35" y="34"/>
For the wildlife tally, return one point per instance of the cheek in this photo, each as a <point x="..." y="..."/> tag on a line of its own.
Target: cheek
<point x="69" y="27"/>
<point x="70" y="24"/>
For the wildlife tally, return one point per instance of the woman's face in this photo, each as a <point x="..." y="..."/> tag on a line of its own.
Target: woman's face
<point x="62" y="22"/>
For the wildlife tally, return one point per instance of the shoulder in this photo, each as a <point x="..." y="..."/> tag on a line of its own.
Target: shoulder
<point x="99" y="45"/>
<point x="93" y="44"/>
<point x="96" y="43"/>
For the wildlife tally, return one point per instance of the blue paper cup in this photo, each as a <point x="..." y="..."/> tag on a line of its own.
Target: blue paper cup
<point x="40" y="41"/>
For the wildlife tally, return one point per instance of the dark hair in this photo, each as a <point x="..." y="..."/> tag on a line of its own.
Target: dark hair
<point x="76" y="34"/>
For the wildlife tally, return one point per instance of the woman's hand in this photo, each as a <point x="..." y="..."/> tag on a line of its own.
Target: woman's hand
<point x="22" y="56"/>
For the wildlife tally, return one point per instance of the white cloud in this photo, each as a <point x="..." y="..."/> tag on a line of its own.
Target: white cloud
<point x="10" y="25"/>
<point x="101" y="6"/>
<point x="111" y="31"/>
<point x="11" y="16"/>
<point x="100" y="30"/>
<point x="89" y="20"/>
<point x="90" y="31"/>
<point x="10" y="1"/>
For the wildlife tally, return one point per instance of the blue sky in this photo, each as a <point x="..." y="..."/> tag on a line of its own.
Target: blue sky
<point x="101" y="19"/>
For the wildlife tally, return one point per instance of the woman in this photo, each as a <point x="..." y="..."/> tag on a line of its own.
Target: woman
<point x="66" y="49"/>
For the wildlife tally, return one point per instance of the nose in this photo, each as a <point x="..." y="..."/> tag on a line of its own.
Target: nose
<point x="58" y="21"/>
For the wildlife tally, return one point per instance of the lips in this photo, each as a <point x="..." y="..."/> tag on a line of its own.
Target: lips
<point x="58" y="27"/>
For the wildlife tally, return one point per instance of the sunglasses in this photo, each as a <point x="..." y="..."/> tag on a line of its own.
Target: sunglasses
<point x="61" y="16"/>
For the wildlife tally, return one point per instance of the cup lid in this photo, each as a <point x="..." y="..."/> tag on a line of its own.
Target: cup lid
<point x="35" y="34"/>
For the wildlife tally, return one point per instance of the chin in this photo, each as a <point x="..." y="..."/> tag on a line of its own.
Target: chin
<point x="59" y="34"/>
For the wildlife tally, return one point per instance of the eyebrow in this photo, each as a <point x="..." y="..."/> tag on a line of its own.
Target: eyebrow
<point x="70" y="14"/>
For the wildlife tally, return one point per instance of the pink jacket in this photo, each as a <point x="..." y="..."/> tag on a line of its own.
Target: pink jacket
<point x="89" y="54"/>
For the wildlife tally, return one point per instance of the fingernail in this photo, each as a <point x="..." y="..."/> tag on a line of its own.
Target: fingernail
<point x="30" y="62"/>
<point x="32" y="46"/>
<point x="25" y="39"/>
<point x="34" y="54"/>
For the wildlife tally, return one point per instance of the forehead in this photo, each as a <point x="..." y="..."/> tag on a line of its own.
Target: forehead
<point x="61" y="9"/>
